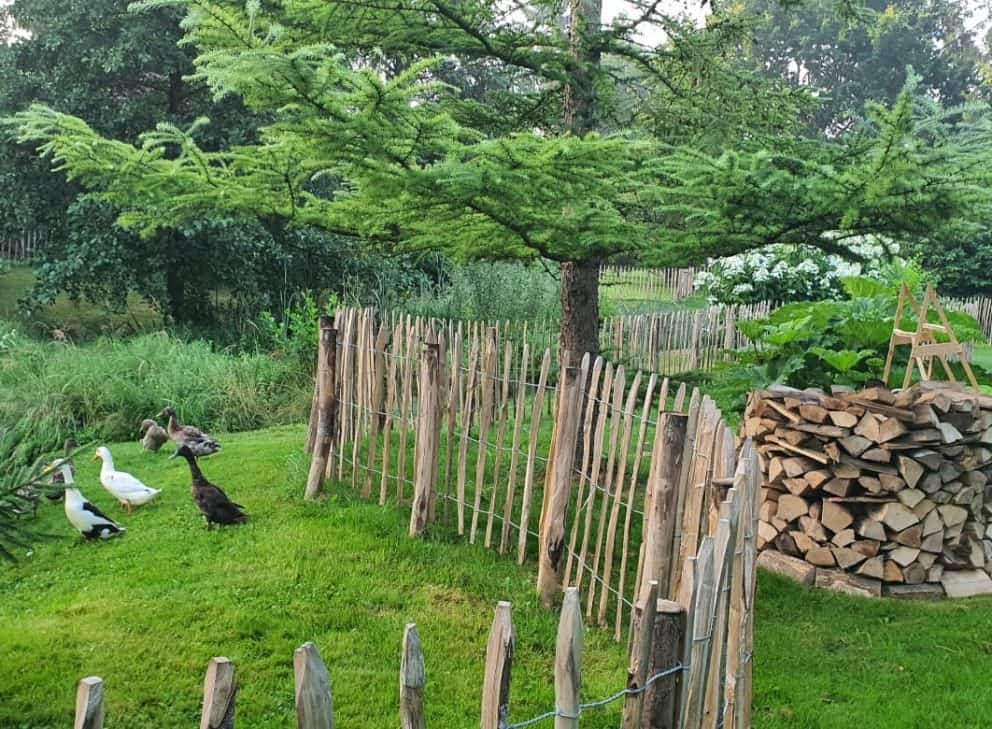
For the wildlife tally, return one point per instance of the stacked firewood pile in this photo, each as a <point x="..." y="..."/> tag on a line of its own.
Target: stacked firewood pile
<point x="877" y="491"/>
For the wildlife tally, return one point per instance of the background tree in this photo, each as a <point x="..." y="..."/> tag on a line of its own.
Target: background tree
<point x="397" y="160"/>
<point x="848" y="63"/>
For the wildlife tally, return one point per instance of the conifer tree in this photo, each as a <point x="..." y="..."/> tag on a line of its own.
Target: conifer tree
<point x="397" y="157"/>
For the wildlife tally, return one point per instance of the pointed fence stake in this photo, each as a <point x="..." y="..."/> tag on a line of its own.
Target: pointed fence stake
<point x="412" y="680"/>
<point x="314" y="705"/>
<point x="220" y="690"/>
<point x="499" y="663"/>
<point x="568" y="661"/>
<point x="89" y="704"/>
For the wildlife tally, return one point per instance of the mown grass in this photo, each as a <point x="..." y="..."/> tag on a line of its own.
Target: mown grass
<point x="146" y="612"/>
<point x="828" y="661"/>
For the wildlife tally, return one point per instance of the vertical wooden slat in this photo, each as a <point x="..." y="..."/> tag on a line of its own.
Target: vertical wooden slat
<point x="454" y="404"/>
<point x="406" y="408"/>
<point x="632" y="489"/>
<point x="413" y="679"/>
<point x="314" y="703"/>
<point x="392" y="399"/>
<point x="621" y="473"/>
<point x="499" y="665"/>
<point x="692" y="425"/>
<point x="220" y="690"/>
<point x="378" y="377"/>
<point x="640" y="657"/>
<point x="535" y="432"/>
<point x="615" y="407"/>
<point x="518" y="422"/>
<point x="488" y="386"/>
<point x="89" y="704"/>
<point x="502" y="406"/>
<point x="587" y="433"/>
<point x="595" y="463"/>
<point x="568" y="661"/>
<point x="426" y="445"/>
<point x="662" y="705"/>
<point x="326" y="430"/>
<point x="466" y="426"/>
<point x="697" y="634"/>
<point x="558" y="482"/>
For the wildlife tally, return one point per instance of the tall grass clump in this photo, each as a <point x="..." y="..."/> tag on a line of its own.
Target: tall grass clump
<point x="102" y="390"/>
<point x="489" y="291"/>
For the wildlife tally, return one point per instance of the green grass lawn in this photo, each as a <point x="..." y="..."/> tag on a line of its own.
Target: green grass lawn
<point x="76" y="319"/>
<point x="147" y="611"/>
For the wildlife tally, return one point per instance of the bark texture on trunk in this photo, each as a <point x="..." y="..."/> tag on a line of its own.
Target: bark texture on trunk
<point x="579" y="309"/>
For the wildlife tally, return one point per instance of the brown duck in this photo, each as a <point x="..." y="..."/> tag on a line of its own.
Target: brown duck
<point x="210" y="499"/>
<point x="199" y="443"/>
<point x="153" y="435"/>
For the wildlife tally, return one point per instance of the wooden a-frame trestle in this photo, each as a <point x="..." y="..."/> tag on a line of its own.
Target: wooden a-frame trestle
<point x="923" y="342"/>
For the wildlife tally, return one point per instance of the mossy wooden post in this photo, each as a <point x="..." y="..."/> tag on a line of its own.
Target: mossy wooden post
<point x="412" y="680"/>
<point x="89" y="704"/>
<point x="314" y="705"/>
<point x="220" y="691"/>
<point x="499" y="664"/>
<point x="568" y="661"/>
<point x="427" y="443"/>
<point x="640" y="657"/>
<point x="661" y="497"/>
<point x="326" y="407"/>
<point x="662" y="701"/>
<point x="558" y="482"/>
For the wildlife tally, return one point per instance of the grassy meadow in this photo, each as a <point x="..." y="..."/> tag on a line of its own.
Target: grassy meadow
<point x="147" y="611"/>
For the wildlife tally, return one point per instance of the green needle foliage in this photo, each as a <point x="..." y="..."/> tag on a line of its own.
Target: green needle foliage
<point x="366" y="139"/>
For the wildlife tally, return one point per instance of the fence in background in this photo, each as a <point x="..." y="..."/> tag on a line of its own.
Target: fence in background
<point x="678" y="341"/>
<point x="610" y="482"/>
<point x="652" y="283"/>
<point x="24" y="248"/>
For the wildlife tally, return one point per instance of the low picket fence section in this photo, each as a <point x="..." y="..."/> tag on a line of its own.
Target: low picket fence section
<point x="680" y="340"/>
<point x="652" y="283"/>
<point x="609" y="482"/>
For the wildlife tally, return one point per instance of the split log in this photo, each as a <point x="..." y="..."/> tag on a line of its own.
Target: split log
<point x="791" y="507"/>
<point x="796" y="569"/>
<point x="896" y="516"/>
<point x="835" y="517"/>
<point x="872" y="567"/>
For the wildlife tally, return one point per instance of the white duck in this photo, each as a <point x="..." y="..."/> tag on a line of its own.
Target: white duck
<point x="84" y="516"/>
<point x="124" y="487"/>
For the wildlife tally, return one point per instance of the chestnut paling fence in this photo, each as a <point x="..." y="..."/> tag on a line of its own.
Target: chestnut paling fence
<point x="612" y="483"/>
<point x="634" y="501"/>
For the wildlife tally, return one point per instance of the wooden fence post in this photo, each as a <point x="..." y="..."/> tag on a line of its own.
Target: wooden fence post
<point x="558" y="483"/>
<point x="412" y="680"/>
<point x="427" y="442"/>
<point x="640" y="657"/>
<point x="499" y="663"/>
<point x="89" y="704"/>
<point x="326" y="407"/>
<point x="220" y="690"/>
<point x="568" y="661"/>
<point x="314" y="705"/>
<point x="662" y="703"/>
<point x="661" y="497"/>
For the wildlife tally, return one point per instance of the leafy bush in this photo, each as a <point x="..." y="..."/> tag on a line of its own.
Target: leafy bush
<point x="785" y="273"/>
<point x="824" y="343"/>
<point x="102" y="390"/>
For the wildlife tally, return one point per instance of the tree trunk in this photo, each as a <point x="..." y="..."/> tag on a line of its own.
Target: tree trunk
<point x="176" y="292"/>
<point x="579" y="309"/>
<point x="580" y="279"/>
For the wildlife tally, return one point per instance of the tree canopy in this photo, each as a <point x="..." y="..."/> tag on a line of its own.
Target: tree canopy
<point x="365" y="138"/>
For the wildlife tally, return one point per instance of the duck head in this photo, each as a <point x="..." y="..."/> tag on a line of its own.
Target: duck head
<point x="102" y="454"/>
<point x="146" y="424"/>
<point x="167" y="412"/>
<point x="184" y="452"/>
